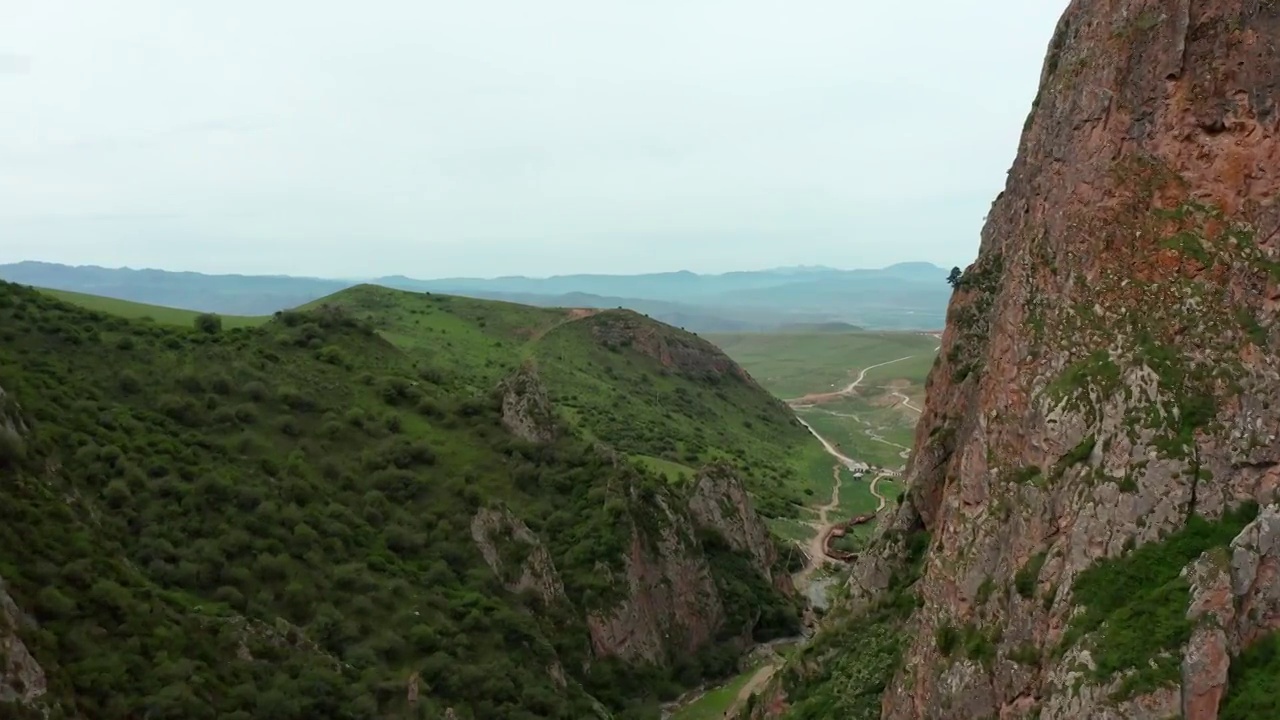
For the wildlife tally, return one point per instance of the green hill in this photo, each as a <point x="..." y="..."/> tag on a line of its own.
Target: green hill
<point x="648" y="390"/>
<point x="384" y="505"/>
<point x="907" y="295"/>
<point x="142" y="311"/>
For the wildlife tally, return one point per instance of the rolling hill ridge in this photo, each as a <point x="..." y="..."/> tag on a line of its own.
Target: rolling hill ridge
<point x="903" y="296"/>
<point x="384" y="504"/>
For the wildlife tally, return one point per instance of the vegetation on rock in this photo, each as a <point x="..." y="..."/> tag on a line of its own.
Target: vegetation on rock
<point x="1135" y="605"/>
<point x="275" y="522"/>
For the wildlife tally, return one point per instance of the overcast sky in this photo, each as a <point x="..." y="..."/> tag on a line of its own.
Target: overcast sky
<point x="490" y="137"/>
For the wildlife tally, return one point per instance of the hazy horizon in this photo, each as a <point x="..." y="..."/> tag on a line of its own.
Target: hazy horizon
<point x="361" y="278"/>
<point x="496" y="138"/>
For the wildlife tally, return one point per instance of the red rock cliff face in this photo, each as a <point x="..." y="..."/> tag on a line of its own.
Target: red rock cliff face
<point x="1110" y="364"/>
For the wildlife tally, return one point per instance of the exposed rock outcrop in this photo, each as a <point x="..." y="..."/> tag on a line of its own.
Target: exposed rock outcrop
<point x="12" y="430"/>
<point x="527" y="412"/>
<point x="672" y="603"/>
<point x="667" y="603"/>
<point x="22" y="680"/>
<point x="721" y="503"/>
<point x="1110" y="369"/>
<point x="670" y="597"/>
<point x="683" y="353"/>
<point x="1235" y="599"/>
<point x="516" y="555"/>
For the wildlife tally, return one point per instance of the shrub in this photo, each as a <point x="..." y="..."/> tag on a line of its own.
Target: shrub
<point x="948" y="638"/>
<point x="1027" y="577"/>
<point x="128" y="383"/>
<point x="247" y="414"/>
<point x="1255" y="681"/>
<point x="220" y="384"/>
<point x="182" y="409"/>
<point x="1026" y="474"/>
<point x="1025" y="654"/>
<point x="287" y="426"/>
<point x="256" y="391"/>
<point x="208" y="323"/>
<point x="296" y="400"/>
<point x="1077" y="454"/>
<point x="985" y="589"/>
<point x="332" y="355"/>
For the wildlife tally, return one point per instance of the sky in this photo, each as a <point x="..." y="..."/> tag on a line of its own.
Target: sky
<point x="495" y="137"/>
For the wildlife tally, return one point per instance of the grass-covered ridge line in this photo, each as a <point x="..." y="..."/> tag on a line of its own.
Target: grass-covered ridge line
<point x="665" y="397"/>
<point x="142" y="311"/>
<point x="274" y="522"/>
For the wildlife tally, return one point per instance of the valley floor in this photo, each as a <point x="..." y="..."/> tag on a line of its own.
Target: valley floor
<point x="821" y="571"/>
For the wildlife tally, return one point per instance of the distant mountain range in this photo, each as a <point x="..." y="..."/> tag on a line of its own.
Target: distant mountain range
<point x="907" y="296"/>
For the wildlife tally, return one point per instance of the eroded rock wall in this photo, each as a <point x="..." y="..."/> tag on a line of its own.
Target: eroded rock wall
<point x="720" y="502"/>
<point x="1110" y="366"/>
<point x="22" y="680"/>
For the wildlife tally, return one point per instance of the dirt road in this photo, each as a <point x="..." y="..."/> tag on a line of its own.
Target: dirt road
<point x="875" y="490"/>
<point x="815" y="550"/>
<point x="817" y="555"/>
<point x="906" y="401"/>
<point x="847" y="390"/>
<point x="753" y="686"/>
<point x="831" y="449"/>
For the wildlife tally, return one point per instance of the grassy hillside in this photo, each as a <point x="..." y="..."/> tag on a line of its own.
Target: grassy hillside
<point x="661" y="396"/>
<point x="140" y="311"/>
<point x="277" y="521"/>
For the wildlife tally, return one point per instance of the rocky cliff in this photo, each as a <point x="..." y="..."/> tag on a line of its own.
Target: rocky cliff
<point x="670" y="604"/>
<point x="720" y="502"/>
<point x="526" y="410"/>
<point x="1102" y="422"/>
<point x="22" y="680"/>
<point x="674" y="596"/>
<point x="696" y="577"/>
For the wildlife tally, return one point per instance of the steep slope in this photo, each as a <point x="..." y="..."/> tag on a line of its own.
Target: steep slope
<point x="304" y="520"/>
<point x="1101" y="425"/>
<point x="655" y="394"/>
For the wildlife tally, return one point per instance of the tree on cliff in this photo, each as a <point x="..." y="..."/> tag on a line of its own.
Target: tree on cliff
<point x="954" y="277"/>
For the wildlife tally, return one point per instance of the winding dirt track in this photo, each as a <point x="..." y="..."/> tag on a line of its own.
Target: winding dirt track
<point x="875" y="490"/>
<point x="818" y="557"/>
<point x="753" y="686"/>
<point x="814" y="398"/>
<point x="906" y="401"/>
<point x="816" y="549"/>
